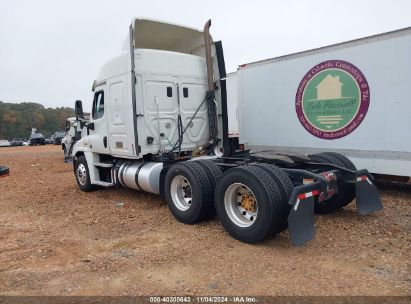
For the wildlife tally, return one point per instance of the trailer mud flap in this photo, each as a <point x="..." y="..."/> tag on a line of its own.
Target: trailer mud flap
<point x="301" y="221"/>
<point x="367" y="195"/>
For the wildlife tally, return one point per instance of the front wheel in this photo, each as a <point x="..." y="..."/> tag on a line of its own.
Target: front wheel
<point x="82" y="174"/>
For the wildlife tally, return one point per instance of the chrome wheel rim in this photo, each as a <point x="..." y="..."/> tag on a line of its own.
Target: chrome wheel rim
<point x="181" y="193"/>
<point x="81" y="174"/>
<point x="241" y="205"/>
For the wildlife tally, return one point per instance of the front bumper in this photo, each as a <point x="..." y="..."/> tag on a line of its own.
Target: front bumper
<point x="301" y="217"/>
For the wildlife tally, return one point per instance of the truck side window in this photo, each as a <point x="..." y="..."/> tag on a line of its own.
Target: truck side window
<point x="185" y="92"/>
<point x="169" y="92"/>
<point x="98" y="105"/>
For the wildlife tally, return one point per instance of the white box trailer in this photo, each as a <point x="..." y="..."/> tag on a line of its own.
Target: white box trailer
<point x="352" y="98"/>
<point x="232" y="105"/>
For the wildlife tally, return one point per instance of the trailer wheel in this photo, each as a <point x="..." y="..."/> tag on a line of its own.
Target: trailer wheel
<point x="82" y="174"/>
<point x="188" y="192"/>
<point x="348" y="189"/>
<point x="344" y="159"/>
<point x="248" y="204"/>
<point x="346" y="192"/>
<point x="285" y="186"/>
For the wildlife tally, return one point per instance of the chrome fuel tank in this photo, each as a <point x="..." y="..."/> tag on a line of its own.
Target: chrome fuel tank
<point x="141" y="176"/>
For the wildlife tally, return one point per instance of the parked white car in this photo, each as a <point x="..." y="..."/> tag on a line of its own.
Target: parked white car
<point x="4" y="143"/>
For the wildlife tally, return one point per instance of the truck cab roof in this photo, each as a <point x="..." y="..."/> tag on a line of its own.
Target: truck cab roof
<point x="153" y="62"/>
<point x="157" y="39"/>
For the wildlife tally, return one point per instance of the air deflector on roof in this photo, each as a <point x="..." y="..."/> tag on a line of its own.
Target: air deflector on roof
<point x="150" y="34"/>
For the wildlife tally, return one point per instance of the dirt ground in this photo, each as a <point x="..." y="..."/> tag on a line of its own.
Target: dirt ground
<point x="57" y="240"/>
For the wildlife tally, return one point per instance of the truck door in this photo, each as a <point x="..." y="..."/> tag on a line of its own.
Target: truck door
<point x="98" y="133"/>
<point x="120" y="117"/>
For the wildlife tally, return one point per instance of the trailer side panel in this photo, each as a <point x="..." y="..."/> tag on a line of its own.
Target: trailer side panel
<point x="284" y="105"/>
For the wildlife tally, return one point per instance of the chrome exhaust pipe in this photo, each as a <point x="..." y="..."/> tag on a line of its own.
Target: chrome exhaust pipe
<point x="210" y="78"/>
<point x="207" y="43"/>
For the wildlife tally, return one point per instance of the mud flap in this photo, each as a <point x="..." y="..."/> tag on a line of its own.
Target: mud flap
<point x="301" y="221"/>
<point x="367" y="195"/>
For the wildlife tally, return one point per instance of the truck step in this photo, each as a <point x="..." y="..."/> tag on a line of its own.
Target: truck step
<point x="104" y="184"/>
<point x="104" y="165"/>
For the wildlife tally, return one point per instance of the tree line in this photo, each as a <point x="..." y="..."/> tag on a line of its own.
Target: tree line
<point x="17" y="119"/>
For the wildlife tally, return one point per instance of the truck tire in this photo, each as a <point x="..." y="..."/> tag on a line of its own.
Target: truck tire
<point x="249" y="204"/>
<point x="4" y="171"/>
<point x="188" y="192"/>
<point x="346" y="192"/>
<point x="82" y="174"/>
<point x="213" y="171"/>
<point x="347" y="162"/>
<point x="214" y="174"/>
<point x="349" y="189"/>
<point x="284" y="185"/>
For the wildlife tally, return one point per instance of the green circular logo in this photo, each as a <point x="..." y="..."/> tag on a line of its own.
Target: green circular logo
<point x="332" y="99"/>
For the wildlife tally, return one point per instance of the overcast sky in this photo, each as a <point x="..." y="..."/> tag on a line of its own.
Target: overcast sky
<point x="51" y="51"/>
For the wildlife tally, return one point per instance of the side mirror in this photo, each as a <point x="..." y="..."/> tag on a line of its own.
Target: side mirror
<point x="78" y="109"/>
<point x="90" y="126"/>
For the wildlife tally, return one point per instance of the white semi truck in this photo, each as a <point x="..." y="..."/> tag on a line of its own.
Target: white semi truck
<point x="352" y="98"/>
<point x="159" y="113"/>
<point x="73" y="133"/>
<point x="67" y="143"/>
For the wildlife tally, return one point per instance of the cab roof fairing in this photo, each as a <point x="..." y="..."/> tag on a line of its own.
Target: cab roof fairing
<point x="157" y="35"/>
<point x="161" y="35"/>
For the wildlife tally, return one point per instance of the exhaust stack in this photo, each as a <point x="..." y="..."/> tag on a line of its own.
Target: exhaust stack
<point x="207" y="42"/>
